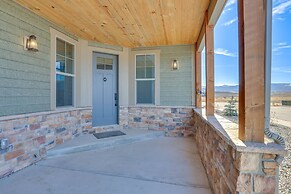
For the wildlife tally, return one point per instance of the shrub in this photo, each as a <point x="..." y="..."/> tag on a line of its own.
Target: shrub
<point x="230" y="108"/>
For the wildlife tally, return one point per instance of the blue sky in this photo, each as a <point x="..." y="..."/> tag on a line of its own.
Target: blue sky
<point x="226" y="44"/>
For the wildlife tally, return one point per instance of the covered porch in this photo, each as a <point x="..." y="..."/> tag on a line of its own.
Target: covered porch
<point x="146" y="166"/>
<point x="156" y="54"/>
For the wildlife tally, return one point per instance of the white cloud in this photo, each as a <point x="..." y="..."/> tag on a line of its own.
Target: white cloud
<point x="280" y="18"/>
<point x="221" y="51"/>
<point x="282" y="43"/>
<point x="281" y="70"/>
<point x="226" y="10"/>
<point x="285" y="47"/>
<point x="230" y="3"/>
<point x="228" y="6"/>
<point x="280" y="46"/>
<point x="229" y="22"/>
<point x="282" y="8"/>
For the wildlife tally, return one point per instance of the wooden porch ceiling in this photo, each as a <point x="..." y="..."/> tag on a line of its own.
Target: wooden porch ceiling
<point x="129" y="23"/>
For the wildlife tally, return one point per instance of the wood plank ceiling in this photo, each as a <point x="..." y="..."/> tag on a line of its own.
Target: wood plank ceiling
<point x="129" y="23"/>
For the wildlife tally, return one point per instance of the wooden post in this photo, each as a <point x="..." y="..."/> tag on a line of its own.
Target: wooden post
<point x="209" y="46"/>
<point x="198" y="78"/>
<point x="252" y="18"/>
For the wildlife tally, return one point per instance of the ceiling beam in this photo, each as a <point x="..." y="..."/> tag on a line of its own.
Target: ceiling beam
<point x="214" y="10"/>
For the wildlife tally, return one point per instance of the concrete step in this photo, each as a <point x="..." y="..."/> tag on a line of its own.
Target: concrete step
<point x="106" y="128"/>
<point x="88" y="142"/>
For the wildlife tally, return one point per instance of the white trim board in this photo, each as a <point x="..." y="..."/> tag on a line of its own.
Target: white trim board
<point x="54" y="34"/>
<point x="132" y="76"/>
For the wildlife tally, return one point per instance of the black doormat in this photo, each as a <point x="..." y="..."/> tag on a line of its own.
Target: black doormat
<point x="108" y="134"/>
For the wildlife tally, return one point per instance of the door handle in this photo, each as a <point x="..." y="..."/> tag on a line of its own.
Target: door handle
<point x="116" y="98"/>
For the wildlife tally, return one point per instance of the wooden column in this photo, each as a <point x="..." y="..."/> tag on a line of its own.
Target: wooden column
<point x="209" y="46"/>
<point x="198" y="78"/>
<point x="251" y="17"/>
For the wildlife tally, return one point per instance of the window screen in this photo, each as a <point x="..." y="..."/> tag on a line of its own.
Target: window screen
<point x="145" y="79"/>
<point x="64" y="73"/>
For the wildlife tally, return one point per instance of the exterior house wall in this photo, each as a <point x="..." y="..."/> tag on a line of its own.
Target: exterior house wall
<point x="25" y="79"/>
<point x="27" y="118"/>
<point x="175" y="85"/>
<point x="24" y="76"/>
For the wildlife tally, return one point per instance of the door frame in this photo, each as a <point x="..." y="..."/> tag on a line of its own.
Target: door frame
<point x="117" y="79"/>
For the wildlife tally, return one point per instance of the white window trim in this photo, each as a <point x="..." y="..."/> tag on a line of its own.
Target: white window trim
<point x="156" y="53"/>
<point x="66" y="74"/>
<point x="54" y="35"/>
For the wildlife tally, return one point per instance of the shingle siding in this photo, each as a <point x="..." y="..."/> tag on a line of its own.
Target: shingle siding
<point x="175" y="86"/>
<point x="24" y="76"/>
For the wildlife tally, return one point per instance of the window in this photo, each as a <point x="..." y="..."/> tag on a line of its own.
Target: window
<point x="145" y="79"/>
<point x="65" y="73"/>
<point x="104" y="63"/>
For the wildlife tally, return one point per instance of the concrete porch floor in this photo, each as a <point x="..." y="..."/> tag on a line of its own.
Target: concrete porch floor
<point x="161" y="165"/>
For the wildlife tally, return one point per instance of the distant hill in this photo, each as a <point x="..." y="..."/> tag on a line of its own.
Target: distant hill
<point x="226" y="88"/>
<point x="275" y="87"/>
<point x="281" y="88"/>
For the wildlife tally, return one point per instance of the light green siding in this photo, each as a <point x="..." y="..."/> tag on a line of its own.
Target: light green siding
<point x="106" y="46"/>
<point x="24" y="75"/>
<point x="175" y="86"/>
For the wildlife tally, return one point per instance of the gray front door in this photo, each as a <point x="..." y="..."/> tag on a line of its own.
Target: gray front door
<point x="105" y="97"/>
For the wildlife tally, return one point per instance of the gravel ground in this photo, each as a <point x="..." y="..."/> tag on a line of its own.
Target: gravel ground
<point x="285" y="168"/>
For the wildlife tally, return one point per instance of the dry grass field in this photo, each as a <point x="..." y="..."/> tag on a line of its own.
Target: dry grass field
<point x="276" y="99"/>
<point x="278" y="111"/>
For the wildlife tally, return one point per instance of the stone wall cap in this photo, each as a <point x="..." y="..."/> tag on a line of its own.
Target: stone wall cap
<point x="267" y="148"/>
<point x="60" y="110"/>
<point x="228" y="131"/>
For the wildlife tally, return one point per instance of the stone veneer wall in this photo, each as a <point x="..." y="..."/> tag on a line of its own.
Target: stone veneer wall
<point x="176" y="121"/>
<point x="31" y="135"/>
<point x="232" y="166"/>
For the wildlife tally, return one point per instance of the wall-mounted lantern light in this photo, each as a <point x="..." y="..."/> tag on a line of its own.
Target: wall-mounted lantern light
<point x="175" y="65"/>
<point x="30" y="43"/>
